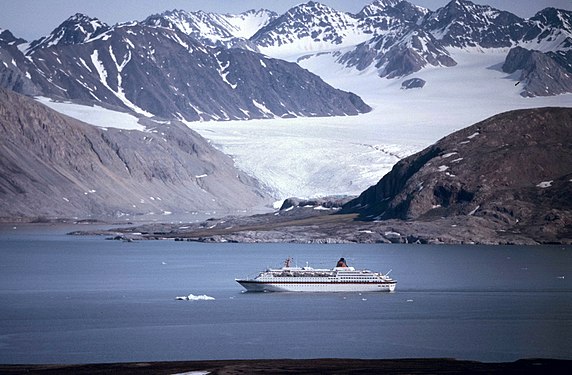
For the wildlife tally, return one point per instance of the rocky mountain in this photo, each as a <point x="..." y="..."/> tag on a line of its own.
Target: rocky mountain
<point x="399" y="52"/>
<point x="399" y="45"/>
<point x="308" y="27"/>
<point x="461" y="23"/>
<point x="415" y="39"/>
<point x="11" y="76"/>
<point x="75" y="30"/>
<point x="540" y="73"/>
<point x="398" y="38"/>
<point x="162" y="71"/>
<point x="215" y="30"/>
<point x="513" y="170"/>
<point x="53" y="166"/>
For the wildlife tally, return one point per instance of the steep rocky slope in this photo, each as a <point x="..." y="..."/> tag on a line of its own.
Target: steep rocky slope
<point x="54" y="166"/>
<point x="514" y="169"/>
<point x="541" y="74"/>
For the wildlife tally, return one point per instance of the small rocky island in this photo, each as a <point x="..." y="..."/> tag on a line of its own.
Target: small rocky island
<point x="505" y="180"/>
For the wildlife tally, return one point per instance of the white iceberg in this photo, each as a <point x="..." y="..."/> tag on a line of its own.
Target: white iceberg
<point x="192" y="297"/>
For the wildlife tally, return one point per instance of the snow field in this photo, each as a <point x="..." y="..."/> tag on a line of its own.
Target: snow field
<point x="95" y="115"/>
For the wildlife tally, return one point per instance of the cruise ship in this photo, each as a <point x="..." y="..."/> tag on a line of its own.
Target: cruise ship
<point x="341" y="278"/>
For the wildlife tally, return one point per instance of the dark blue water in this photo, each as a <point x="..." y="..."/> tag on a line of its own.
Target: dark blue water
<point x="84" y="299"/>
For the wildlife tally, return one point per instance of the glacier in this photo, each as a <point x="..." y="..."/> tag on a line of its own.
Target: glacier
<point x="311" y="157"/>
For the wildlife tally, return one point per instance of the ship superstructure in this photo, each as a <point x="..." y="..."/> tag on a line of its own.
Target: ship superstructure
<point x="307" y="279"/>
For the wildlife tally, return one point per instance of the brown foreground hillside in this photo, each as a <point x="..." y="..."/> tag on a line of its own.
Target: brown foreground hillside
<point x="53" y="166"/>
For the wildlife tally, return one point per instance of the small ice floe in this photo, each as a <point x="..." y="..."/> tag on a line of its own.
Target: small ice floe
<point x="365" y="231"/>
<point x="443" y="168"/>
<point x="192" y="297"/>
<point x="545" y="184"/>
<point x="364" y="299"/>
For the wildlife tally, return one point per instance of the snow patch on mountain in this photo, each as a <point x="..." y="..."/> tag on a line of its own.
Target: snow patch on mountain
<point x="95" y="115"/>
<point x="246" y="24"/>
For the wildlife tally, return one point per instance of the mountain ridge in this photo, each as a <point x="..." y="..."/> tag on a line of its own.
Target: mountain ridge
<point x="164" y="72"/>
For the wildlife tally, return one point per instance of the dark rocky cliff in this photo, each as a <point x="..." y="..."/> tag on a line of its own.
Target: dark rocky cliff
<point x="541" y="74"/>
<point x="54" y="166"/>
<point x="513" y="170"/>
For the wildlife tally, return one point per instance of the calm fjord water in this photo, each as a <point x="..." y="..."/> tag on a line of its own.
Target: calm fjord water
<point x="67" y="299"/>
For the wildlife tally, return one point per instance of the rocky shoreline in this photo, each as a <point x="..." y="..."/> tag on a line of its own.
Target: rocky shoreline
<point x="304" y="366"/>
<point x="311" y="225"/>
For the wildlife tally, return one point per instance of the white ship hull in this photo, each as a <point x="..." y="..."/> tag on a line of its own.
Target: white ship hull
<point x="317" y="286"/>
<point x="307" y="279"/>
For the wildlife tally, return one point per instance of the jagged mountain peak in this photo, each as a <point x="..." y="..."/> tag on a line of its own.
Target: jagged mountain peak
<point x="463" y="10"/>
<point x="462" y="23"/>
<point x="377" y="7"/>
<point x="554" y="17"/>
<point x="386" y="14"/>
<point x="309" y="26"/>
<point x="75" y="30"/>
<point x="309" y="9"/>
<point x="214" y="29"/>
<point x="258" y="12"/>
<point x="7" y="37"/>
